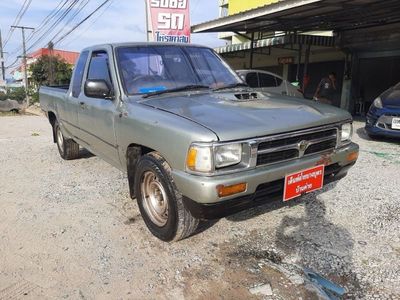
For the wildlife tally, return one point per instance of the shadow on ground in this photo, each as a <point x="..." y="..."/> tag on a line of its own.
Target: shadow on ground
<point x="85" y="154"/>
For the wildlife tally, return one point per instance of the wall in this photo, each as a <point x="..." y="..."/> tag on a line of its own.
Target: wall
<point x="237" y="6"/>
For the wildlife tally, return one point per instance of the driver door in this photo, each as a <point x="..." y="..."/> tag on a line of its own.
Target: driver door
<point x="96" y="116"/>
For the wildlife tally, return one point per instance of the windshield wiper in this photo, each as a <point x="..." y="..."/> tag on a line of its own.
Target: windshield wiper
<point x="231" y="86"/>
<point x="178" y="89"/>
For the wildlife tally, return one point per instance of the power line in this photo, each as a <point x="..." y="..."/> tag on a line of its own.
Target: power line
<point x="81" y="22"/>
<point x="54" y="25"/>
<point x="88" y="27"/>
<point x="82" y="5"/>
<point x="17" y="19"/>
<point x="54" y="13"/>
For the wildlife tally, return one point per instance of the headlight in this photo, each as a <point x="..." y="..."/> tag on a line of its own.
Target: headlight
<point x="227" y="155"/>
<point x="378" y="103"/>
<point x="207" y="158"/>
<point x="199" y="159"/>
<point x="346" y="132"/>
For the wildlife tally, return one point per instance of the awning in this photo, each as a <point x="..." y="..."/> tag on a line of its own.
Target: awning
<point x="303" y="39"/>
<point x="308" y="15"/>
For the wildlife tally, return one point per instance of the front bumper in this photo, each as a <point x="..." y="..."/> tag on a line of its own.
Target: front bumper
<point x="379" y="122"/>
<point x="203" y="190"/>
<point x="265" y="193"/>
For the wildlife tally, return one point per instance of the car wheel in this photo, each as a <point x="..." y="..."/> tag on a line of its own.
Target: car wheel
<point x="67" y="148"/>
<point x="159" y="200"/>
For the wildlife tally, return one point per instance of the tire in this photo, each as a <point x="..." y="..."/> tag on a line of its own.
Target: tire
<point x="67" y="148"/>
<point x="167" y="219"/>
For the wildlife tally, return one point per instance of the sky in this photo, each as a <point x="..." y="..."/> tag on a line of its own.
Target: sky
<point x="119" y="21"/>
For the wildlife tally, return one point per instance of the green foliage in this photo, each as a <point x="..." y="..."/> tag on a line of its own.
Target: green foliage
<point x="34" y="97"/>
<point x="50" y="70"/>
<point x="16" y="94"/>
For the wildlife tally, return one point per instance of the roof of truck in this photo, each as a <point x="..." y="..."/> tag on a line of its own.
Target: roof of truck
<point x="136" y="44"/>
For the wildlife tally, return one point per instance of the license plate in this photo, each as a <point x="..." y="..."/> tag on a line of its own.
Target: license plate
<point x="303" y="182"/>
<point x="396" y="123"/>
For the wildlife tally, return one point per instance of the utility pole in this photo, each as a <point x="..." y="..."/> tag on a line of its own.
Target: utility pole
<point x="50" y="46"/>
<point x="3" y="70"/>
<point x="24" y="59"/>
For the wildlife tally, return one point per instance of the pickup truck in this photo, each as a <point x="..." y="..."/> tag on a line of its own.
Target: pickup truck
<point x="193" y="139"/>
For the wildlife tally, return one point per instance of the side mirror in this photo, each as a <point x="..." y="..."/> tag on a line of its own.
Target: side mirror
<point x="98" y="88"/>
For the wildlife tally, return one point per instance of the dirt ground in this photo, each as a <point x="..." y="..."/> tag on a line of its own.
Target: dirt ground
<point x="68" y="230"/>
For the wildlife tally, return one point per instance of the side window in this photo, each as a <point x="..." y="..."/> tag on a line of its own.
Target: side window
<point x="252" y="80"/>
<point x="267" y="80"/>
<point x="99" y="67"/>
<point x="278" y="81"/>
<point x="78" y="74"/>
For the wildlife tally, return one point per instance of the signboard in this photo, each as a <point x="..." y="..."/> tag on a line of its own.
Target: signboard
<point x="169" y="20"/>
<point x="303" y="182"/>
<point x="286" y="60"/>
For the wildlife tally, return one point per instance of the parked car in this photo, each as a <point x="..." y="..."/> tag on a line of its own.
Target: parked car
<point x="383" y="117"/>
<point x="10" y="106"/>
<point x="269" y="82"/>
<point x="194" y="141"/>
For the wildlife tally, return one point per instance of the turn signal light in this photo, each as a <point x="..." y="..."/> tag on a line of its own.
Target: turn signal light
<point x="224" y="191"/>
<point x="191" y="159"/>
<point x="352" y="156"/>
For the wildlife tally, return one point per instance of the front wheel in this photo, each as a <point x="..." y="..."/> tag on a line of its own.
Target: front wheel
<point x="160" y="202"/>
<point x="67" y="148"/>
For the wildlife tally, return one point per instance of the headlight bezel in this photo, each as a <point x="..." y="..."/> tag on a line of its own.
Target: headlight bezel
<point x="217" y="150"/>
<point x="226" y="168"/>
<point x="345" y="136"/>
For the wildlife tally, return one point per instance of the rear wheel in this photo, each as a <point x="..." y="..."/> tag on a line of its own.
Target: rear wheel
<point x="67" y="148"/>
<point x="160" y="202"/>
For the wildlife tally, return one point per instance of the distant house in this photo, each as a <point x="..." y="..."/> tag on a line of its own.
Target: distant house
<point x="69" y="56"/>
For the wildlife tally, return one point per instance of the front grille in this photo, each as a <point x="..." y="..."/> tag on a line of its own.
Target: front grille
<point x="330" y="144"/>
<point x="295" y="145"/>
<point x="273" y="157"/>
<point x="296" y="139"/>
<point x="385" y="121"/>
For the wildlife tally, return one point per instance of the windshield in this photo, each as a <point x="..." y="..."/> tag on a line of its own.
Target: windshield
<point x="149" y="69"/>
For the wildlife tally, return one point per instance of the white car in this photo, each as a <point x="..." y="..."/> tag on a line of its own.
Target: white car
<point x="269" y="82"/>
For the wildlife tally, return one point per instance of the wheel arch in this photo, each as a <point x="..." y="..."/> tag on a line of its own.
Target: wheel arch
<point x="133" y="153"/>
<point x="52" y="119"/>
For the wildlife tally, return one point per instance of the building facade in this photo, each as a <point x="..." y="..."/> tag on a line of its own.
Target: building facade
<point x="70" y="57"/>
<point x="307" y="39"/>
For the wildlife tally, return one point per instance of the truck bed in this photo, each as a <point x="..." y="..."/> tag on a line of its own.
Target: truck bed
<point x="50" y="95"/>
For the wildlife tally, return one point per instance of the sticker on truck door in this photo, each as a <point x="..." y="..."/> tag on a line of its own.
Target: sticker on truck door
<point x="303" y="182"/>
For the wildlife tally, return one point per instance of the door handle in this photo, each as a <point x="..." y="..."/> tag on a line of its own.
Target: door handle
<point x="82" y="104"/>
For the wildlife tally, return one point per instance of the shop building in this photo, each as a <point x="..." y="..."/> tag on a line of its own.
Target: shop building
<point x="304" y="40"/>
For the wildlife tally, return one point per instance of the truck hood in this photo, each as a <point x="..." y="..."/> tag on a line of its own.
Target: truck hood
<point x="233" y="119"/>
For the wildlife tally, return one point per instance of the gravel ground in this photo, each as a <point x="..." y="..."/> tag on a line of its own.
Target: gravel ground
<point x="68" y="230"/>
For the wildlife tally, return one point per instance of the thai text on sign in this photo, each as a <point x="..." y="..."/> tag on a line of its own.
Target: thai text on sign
<point x="170" y="20"/>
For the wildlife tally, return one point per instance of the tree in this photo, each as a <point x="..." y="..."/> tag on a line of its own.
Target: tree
<point x="50" y="70"/>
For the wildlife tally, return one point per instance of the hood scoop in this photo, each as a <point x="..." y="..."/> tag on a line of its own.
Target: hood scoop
<point x="247" y="96"/>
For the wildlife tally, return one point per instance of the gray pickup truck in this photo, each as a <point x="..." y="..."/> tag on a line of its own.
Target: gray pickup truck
<point x="195" y="141"/>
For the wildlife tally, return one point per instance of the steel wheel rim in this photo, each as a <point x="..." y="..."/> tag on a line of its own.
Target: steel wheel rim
<point x="154" y="197"/>
<point x="60" y="140"/>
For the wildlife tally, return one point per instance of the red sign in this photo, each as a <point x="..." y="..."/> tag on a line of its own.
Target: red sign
<point x="303" y="182"/>
<point x="170" y="20"/>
